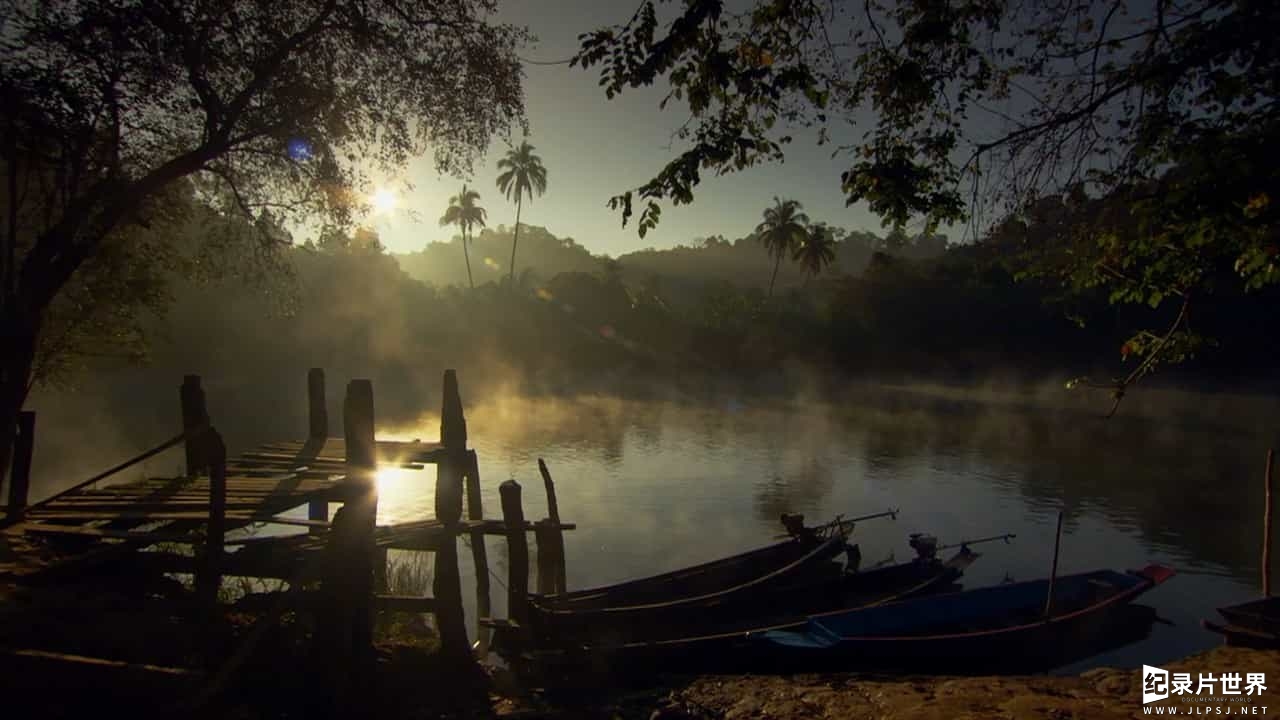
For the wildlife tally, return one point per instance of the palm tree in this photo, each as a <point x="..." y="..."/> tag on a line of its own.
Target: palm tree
<point x="782" y="230"/>
<point x="815" y="251"/>
<point x="522" y="174"/>
<point x="465" y="213"/>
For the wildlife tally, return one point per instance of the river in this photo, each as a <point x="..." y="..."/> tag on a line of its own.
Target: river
<point x="653" y="485"/>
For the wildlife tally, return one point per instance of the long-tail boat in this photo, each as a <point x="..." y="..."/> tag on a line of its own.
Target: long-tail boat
<point x="1018" y="627"/>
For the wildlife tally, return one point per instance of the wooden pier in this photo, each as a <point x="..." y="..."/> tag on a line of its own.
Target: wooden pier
<point x="335" y="567"/>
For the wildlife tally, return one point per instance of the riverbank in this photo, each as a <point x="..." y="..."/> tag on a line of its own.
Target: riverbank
<point x="412" y="682"/>
<point x="1101" y="694"/>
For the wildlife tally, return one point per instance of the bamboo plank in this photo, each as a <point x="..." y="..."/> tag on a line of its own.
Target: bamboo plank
<point x="387" y="450"/>
<point x="249" y="504"/>
<point x="149" y="537"/>
<point x="185" y="496"/>
<point x="240" y="487"/>
<point x="405" y="603"/>
<point x="263" y="459"/>
<point x="340" y="443"/>
<point x="98" y="663"/>
<point x="149" y="517"/>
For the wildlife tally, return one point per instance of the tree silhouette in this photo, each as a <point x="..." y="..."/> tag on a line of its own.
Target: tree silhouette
<point x="273" y="110"/>
<point x="522" y="174"/>
<point x="781" y="231"/>
<point x="465" y="213"/>
<point x="815" y="251"/>
<point x="1171" y="113"/>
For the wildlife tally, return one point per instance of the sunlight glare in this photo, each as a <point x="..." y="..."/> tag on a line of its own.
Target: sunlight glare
<point x="388" y="478"/>
<point x="383" y="201"/>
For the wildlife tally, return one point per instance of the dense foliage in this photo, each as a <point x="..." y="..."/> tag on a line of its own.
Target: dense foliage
<point x="1158" y="119"/>
<point x="108" y="110"/>
<point x="600" y="323"/>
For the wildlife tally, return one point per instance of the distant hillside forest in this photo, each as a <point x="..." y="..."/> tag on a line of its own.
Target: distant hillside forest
<point x="684" y="272"/>
<point x="694" y="316"/>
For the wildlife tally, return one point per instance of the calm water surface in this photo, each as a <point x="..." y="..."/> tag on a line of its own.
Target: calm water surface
<point x="655" y="485"/>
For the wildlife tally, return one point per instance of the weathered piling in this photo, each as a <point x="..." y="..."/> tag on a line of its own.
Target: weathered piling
<point x="194" y="417"/>
<point x="1053" y="569"/>
<point x="446" y="584"/>
<point x="317" y="411"/>
<point x="550" y="538"/>
<point x="317" y="432"/>
<point x="345" y="619"/>
<point x="518" y="553"/>
<point x="362" y="462"/>
<point x="20" y="466"/>
<point x="479" y="553"/>
<point x="209" y="576"/>
<point x="1266" y="526"/>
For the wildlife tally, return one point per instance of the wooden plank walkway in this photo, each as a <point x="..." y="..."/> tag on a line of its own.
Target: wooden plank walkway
<point x="126" y="537"/>
<point x="261" y="484"/>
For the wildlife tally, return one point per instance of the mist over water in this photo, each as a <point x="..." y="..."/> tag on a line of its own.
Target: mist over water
<point x="656" y="481"/>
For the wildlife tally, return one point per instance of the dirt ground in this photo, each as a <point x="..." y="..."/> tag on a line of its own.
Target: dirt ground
<point x="1104" y="694"/>
<point x="413" y="683"/>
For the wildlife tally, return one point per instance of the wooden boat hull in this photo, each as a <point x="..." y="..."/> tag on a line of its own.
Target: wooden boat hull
<point x="1254" y="624"/>
<point x="691" y="581"/>
<point x="995" y="629"/>
<point x="720" y="644"/>
<point x="681" y="602"/>
<point x="1237" y="636"/>
<point x="1262" y="616"/>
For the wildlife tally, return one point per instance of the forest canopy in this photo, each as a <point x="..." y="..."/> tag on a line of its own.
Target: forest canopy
<point x="1152" y="125"/>
<point x="265" y="111"/>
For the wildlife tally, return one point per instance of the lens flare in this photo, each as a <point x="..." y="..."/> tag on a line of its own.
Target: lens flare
<point x="299" y="150"/>
<point x="383" y="201"/>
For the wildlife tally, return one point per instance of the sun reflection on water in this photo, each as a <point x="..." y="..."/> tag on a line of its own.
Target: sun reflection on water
<point x="403" y="493"/>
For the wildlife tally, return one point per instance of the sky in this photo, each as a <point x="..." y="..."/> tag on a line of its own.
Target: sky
<point x="594" y="148"/>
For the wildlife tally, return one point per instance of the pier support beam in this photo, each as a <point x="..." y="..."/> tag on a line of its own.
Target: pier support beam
<point x="518" y="551"/>
<point x="20" y="466"/>
<point x="345" y="623"/>
<point x="317" y="432"/>
<point x="479" y="554"/>
<point x="194" y="417"/>
<point x="550" y="538"/>
<point x="317" y="410"/>
<point x="447" y="585"/>
<point x="209" y="577"/>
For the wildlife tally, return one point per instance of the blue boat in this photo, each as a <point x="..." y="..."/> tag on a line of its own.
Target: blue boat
<point x="993" y="629"/>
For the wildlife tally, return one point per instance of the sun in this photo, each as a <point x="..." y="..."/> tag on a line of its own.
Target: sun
<point x="383" y="201"/>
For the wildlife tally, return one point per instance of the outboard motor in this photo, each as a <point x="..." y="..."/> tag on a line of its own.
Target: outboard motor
<point x="794" y="523"/>
<point x="926" y="546"/>
<point x="852" y="558"/>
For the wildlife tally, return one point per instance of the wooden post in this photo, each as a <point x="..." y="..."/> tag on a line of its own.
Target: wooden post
<point x="447" y="584"/>
<point x="555" y="541"/>
<point x="453" y="425"/>
<point x="317" y="433"/>
<point x="1053" y="570"/>
<point x="194" y="416"/>
<point x="358" y="427"/>
<point x="479" y="553"/>
<point x="544" y="532"/>
<point x="317" y="410"/>
<point x="337" y="650"/>
<point x="553" y="507"/>
<point x="1266" y="526"/>
<point x="20" y="467"/>
<point x="358" y="430"/>
<point x="518" y="552"/>
<point x="209" y="579"/>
